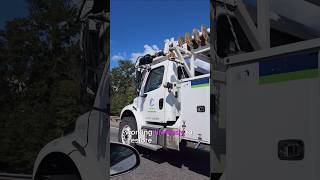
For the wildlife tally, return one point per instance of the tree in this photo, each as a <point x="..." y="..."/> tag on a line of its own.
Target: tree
<point x="39" y="82"/>
<point x="122" y="86"/>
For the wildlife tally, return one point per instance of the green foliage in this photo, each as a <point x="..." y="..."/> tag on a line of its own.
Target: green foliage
<point x="122" y="86"/>
<point x="39" y="81"/>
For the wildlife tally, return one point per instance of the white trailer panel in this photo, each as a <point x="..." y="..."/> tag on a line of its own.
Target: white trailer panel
<point x="195" y="108"/>
<point x="273" y="118"/>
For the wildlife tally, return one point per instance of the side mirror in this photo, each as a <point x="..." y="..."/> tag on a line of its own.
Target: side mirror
<point x="168" y="85"/>
<point x="123" y="158"/>
<point x="144" y="95"/>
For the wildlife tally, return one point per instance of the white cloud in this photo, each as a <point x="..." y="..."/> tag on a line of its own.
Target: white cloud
<point x="119" y="56"/>
<point x="134" y="56"/>
<point x="170" y="39"/>
<point x="147" y="50"/>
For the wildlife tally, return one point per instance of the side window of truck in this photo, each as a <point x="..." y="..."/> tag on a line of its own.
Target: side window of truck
<point x="154" y="80"/>
<point x="182" y="73"/>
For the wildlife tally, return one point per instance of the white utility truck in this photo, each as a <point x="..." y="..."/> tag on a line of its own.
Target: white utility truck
<point x="266" y="90"/>
<point x="263" y="105"/>
<point x="173" y="103"/>
<point x="260" y="116"/>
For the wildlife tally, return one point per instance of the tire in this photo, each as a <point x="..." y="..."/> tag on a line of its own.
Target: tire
<point x="183" y="147"/>
<point x="127" y="124"/>
<point x="64" y="177"/>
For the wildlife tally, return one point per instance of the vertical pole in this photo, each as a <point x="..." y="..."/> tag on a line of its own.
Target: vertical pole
<point x="192" y="66"/>
<point x="263" y="13"/>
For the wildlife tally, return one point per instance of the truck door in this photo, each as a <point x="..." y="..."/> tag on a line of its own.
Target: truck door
<point x="153" y="94"/>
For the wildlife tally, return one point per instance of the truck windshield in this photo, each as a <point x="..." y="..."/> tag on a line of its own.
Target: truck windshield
<point x="139" y="78"/>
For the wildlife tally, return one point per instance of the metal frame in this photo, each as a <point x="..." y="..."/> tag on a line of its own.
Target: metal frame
<point x="263" y="29"/>
<point x="192" y="54"/>
<point x="182" y="54"/>
<point x="258" y="36"/>
<point x="285" y="49"/>
<point x="248" y="26"/>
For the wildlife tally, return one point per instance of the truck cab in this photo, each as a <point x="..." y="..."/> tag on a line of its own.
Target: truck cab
<point x="165" y="84"/>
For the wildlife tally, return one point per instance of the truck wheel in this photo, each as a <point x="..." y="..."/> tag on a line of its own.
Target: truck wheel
<point x="64" y="177"/>
<point x="183" y="147"/>
<point x="127" y="131"/>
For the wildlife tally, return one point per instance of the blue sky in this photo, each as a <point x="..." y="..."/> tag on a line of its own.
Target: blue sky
<point x="138" y="25"/>
<point x="11" y="9"/>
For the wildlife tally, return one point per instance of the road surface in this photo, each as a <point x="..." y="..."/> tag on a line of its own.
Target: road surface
<point x="171" y="165"/>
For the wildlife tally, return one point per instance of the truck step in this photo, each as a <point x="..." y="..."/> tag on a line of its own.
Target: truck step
<point x="150" y="146"/>
<point x="152" y="126"/>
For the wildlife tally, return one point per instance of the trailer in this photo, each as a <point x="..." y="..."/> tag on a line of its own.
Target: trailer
<point x="265" y="95"/>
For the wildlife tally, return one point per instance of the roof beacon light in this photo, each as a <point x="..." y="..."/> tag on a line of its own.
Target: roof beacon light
<point x="180" y="41"/>
<point x="205" y="38"/>
<point x="188" y="40"/>
<point x="196" y="38"/>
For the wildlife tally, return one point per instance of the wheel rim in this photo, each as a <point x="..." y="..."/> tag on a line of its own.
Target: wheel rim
<point x="126" y="135"/>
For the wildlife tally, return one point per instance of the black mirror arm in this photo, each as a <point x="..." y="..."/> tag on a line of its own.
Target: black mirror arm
<point x="168" y="85"/>
<point x="144" y="95"/>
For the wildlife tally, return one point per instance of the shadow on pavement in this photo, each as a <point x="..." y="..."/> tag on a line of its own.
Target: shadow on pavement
<point x="196" y="160"/>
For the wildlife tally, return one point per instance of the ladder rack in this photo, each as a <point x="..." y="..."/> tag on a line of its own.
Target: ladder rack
<point x="192" y="48"/>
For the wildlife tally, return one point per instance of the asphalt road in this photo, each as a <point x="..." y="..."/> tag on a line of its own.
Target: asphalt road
<point x="162" y="165"/>
<point x="168" y="165"/>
